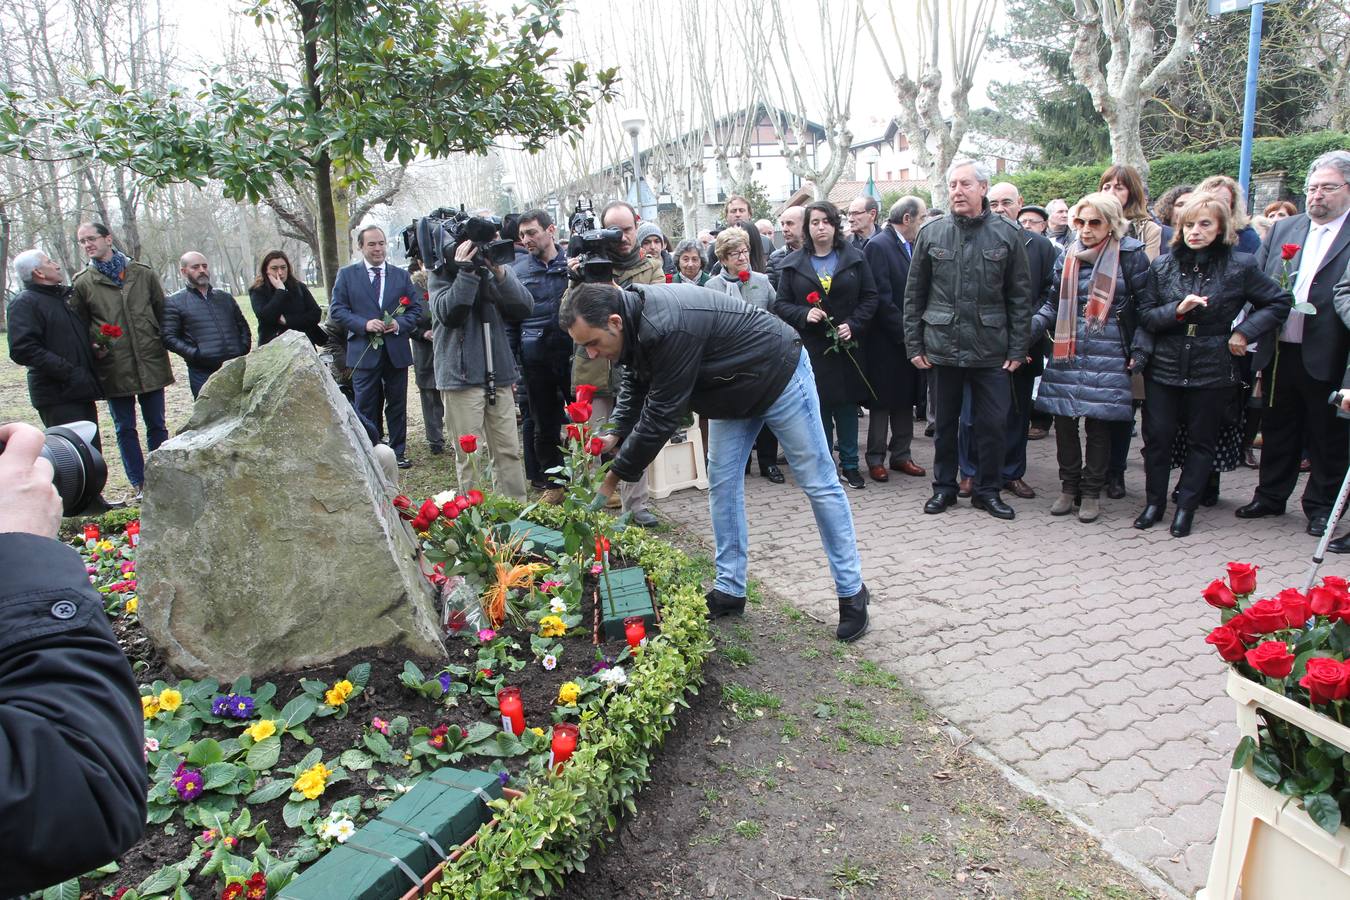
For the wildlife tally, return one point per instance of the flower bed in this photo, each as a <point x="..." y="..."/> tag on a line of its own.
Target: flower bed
<point x="252" y="781"/>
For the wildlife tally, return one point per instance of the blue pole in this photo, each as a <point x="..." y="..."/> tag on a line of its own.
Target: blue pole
<point x="1249" y="99"/>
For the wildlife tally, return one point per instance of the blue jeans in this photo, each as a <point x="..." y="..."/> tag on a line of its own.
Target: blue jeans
<point x="842" y="420"/>
<point x="795" y="419"/>
<point x="123" y="410"/>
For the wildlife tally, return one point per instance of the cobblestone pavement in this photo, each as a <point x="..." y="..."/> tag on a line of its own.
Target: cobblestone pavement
<point x="1072" y="652"/>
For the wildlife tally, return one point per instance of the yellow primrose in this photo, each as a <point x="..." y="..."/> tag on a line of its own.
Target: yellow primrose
<point x="552" y="626"/>
<point x="568" y="693"/>
<point x="169" y="699"/>
<point x="149" y="705"/>
<point x="261" y="730"/>
<point x="313" y="780"/>
<point x="338" y="694"/>
<point x="537" y="730"/>
<point x="131" y="605"/>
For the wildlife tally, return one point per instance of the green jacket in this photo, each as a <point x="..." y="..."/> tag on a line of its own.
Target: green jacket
<point x="968" y="301"/>
<point x="136" y="362"/>
<point x="597" y="371"/>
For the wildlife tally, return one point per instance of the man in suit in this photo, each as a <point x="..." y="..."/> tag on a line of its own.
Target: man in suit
<point x="893" y="377"/>
<point x="1307" y="361"/>
<point x="375" y="300"/>
<point x="1005" y="200"/>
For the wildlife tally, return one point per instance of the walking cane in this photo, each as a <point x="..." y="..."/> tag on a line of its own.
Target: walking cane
<point x="1336" y="512"/>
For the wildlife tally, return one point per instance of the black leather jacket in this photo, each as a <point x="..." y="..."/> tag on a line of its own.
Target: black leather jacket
<point x="205" y="331"/>
<point x="1192" y="351"/>
<point x="691" y="348"/>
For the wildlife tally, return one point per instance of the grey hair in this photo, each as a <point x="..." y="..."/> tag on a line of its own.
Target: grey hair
<point x="26" y="263"/>
<point x="686" y="246"/>
<point x="907" y="205"/>
<point x="982" y="171"/>
<point x="1335" y="159"/>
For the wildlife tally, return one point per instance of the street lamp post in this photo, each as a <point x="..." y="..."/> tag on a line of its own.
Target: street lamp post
<point x="633" y="121"/>
<point x="509" y="188"/>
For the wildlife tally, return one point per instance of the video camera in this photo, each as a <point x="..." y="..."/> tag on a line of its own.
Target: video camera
<point x="592" y="245"/>
<point x="434" y="237"/>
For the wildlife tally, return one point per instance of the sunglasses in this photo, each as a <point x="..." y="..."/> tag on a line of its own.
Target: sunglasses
<point x="1093" y="223"/>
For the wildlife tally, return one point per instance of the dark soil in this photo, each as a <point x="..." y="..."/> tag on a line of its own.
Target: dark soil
<point x="804" y="770"/>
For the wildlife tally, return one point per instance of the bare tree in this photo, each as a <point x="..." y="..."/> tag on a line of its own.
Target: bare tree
<point x="1129" y="73"/>
<point x="934" y="133"/>
<point x="772" y="56"/>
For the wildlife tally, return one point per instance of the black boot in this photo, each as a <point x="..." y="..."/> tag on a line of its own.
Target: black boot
<point x="1211" y="494"/>
<point x="1181" y="522"/>
<point x="852" y="617"/>
<point x="1150" y="516"/>
<point x="720" y="604"/>
<point x="1115" y="485"/>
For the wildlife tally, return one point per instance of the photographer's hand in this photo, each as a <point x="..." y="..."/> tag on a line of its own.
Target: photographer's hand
<point x="28" y="500"/>
<point x="464" y="254"/>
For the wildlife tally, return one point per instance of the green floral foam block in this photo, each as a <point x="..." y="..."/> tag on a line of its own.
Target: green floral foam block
<point x="540" y="536"/>
<point x="623" y="594"/>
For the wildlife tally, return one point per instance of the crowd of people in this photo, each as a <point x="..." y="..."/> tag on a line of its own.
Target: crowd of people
<point x="991" y="322"/>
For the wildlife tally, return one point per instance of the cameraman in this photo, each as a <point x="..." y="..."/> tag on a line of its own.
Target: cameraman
<point x="471" y="301"/>
<point x="629" y="268"/>
<point x="72" y="768"/>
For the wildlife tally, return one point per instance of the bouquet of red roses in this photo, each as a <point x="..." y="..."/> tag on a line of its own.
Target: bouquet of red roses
<point x="1296" y="645"/>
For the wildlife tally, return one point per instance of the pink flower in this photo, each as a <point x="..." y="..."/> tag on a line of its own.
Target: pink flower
<point x="547" y="586"/>
<point x="597" y="569"/>
<point x="128" y="566"/>
<point x="380" y="725"/>
<point x="486" y="635"/>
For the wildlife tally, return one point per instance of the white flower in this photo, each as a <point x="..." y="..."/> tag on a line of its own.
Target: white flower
<point x="151" y="744"/>
<point x="339" y="830"/>
<point x="557" y="605"/>
<point x="550" y="662"/>
<point x="402" y="788"/>
<point x="443" y="498"/>
<point x="614" y="675"/>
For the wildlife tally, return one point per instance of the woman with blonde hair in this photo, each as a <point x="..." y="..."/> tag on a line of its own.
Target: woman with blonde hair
<point x="1192" y="355"/>
<point x="1091" y="309"/>
<point x="1125" y="183"/>
<point x="1225" y="188"/>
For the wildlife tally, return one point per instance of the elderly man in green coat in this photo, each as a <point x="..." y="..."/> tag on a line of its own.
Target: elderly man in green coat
<point x="122" y="302"/>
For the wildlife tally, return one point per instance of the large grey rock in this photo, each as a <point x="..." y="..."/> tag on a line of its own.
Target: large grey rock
<point x="268" y="538"/>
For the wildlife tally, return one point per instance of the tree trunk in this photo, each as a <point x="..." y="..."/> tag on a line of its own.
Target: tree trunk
<point x="1127" y="147"/>
<point x="327" y="221"/>
<point x="4" y="269"/>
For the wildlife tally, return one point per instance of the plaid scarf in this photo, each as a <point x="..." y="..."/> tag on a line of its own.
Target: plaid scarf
<point x="1105" y="262"/>
<point x="114" y="267"/>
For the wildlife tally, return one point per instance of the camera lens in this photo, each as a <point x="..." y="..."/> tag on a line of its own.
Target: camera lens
<point x="78" y="470"/>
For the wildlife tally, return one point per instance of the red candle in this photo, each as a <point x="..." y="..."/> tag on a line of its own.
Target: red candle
<point x="635" y="630"/>
<point x="513" y="713"/>
<point x="134" y="532"/>
<point x="90" y="534"/>
<point x="564" y="742"/>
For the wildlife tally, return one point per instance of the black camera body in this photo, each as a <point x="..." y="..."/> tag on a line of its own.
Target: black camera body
<point x="434" y="237"/>
<point x="592" y="245"/>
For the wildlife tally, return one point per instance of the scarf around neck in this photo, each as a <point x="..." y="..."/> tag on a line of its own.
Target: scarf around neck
<point x="114" y="267"/>
<point x="1105" y="262"/>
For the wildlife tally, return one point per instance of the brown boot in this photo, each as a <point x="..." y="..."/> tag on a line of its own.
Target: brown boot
<point x="552" y="497"/>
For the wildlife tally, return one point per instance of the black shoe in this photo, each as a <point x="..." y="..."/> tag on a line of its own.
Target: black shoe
<point x="1115" y="486"/>
<point x="437" y="449"/>
<point x="1149" y="517"/>
<point x="539" y="484"/>
<point x="1340" y="544"/>
<point x="720" y="604"/>
<point x="994" y="506"/>
<point x="1181" y="522"/>
<point x="404" y="462"/>
<point x="928" y="431"/>
<point x="1317" y="526"/>
<point x="773" y="473"/>
<point x="1211" y="495"/>
<point x="938" y="503"/>
<point x="1257" y="509"/>
<point x="853" y="478"/>
<point x="852" y="617"/>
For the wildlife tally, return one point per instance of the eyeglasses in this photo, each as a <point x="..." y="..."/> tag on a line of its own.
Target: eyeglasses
<point x="744" y="251"/>
<point x="1090" y="223"/>
<point x="1317" y="190"/>
<point x="94" y="239"/>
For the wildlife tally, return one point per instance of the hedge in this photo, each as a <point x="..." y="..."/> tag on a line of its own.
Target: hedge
<point x="541" y="837"/>
<point x="1292" y="155"/>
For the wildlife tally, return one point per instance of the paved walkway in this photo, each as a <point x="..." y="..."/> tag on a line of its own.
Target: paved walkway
<point x="1073" y="652"/>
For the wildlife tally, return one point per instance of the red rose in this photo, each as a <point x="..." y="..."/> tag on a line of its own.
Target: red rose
<point x="585" y="393"/>
<point x="1243" y="627"/>
<point x="1289" y="251"/>
<point x="1242" y="577"/>
<point x="669" y="278"/>
<point x="429" y="510"/>
<point x="1327" y="680"/>
<point x="1218" y="595"/>
<point x="1295" y="606"/>
<point x="1336" y="583"/>
<point x="579" y="412"/>
<point x="1227" y="642"/>
<point x="743" y="275"/>
<point x="1266" y="616"/>
<point x="420" y="523"/>
<point x="402" y="502"/>
<point x="813" y="298"/>
<point x="468" y="442"/>
<point x="463" y="503"/>
<point x="110" y="331"/>
<point x="475" y="497"/>
<point x="573" y="432"/>
<point x="404" y="301"/>
<point x="1271" y="658"/>
<point x="1323" y="601"/>
<point x="450" y="511"/>
<point x="595" y="446"/>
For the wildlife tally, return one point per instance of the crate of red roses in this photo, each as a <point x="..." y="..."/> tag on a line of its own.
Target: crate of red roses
<point x="1282" y="831"/>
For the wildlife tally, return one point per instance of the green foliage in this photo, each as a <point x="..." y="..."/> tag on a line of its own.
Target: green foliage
<point x="1040" y="186"/>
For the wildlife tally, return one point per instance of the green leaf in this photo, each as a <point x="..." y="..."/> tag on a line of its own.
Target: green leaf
<point x="376" y="743"/>
<point x="298" y="710"/>
<point x="312" y="758"/>
<point x="218" y="775"/>
<point x="270" y="791"/>
<point x="166" y="879"/>
<point x="1324" y="810"/>
<point x="356" y="760"/>
<point x="205" y="753"/>
<point x="1266" y="766"/>
<point x="359" y="675"/>
<point x="66" y="890"/>
<point x="294" y="814"/>
<point x="264" y="754"/>
<point x="1245" y="748"/>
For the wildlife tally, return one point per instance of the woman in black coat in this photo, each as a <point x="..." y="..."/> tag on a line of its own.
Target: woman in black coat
<point x="283" y="303"/>
<point x="829" y="283"/>
<point x="1192" y="353"/>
